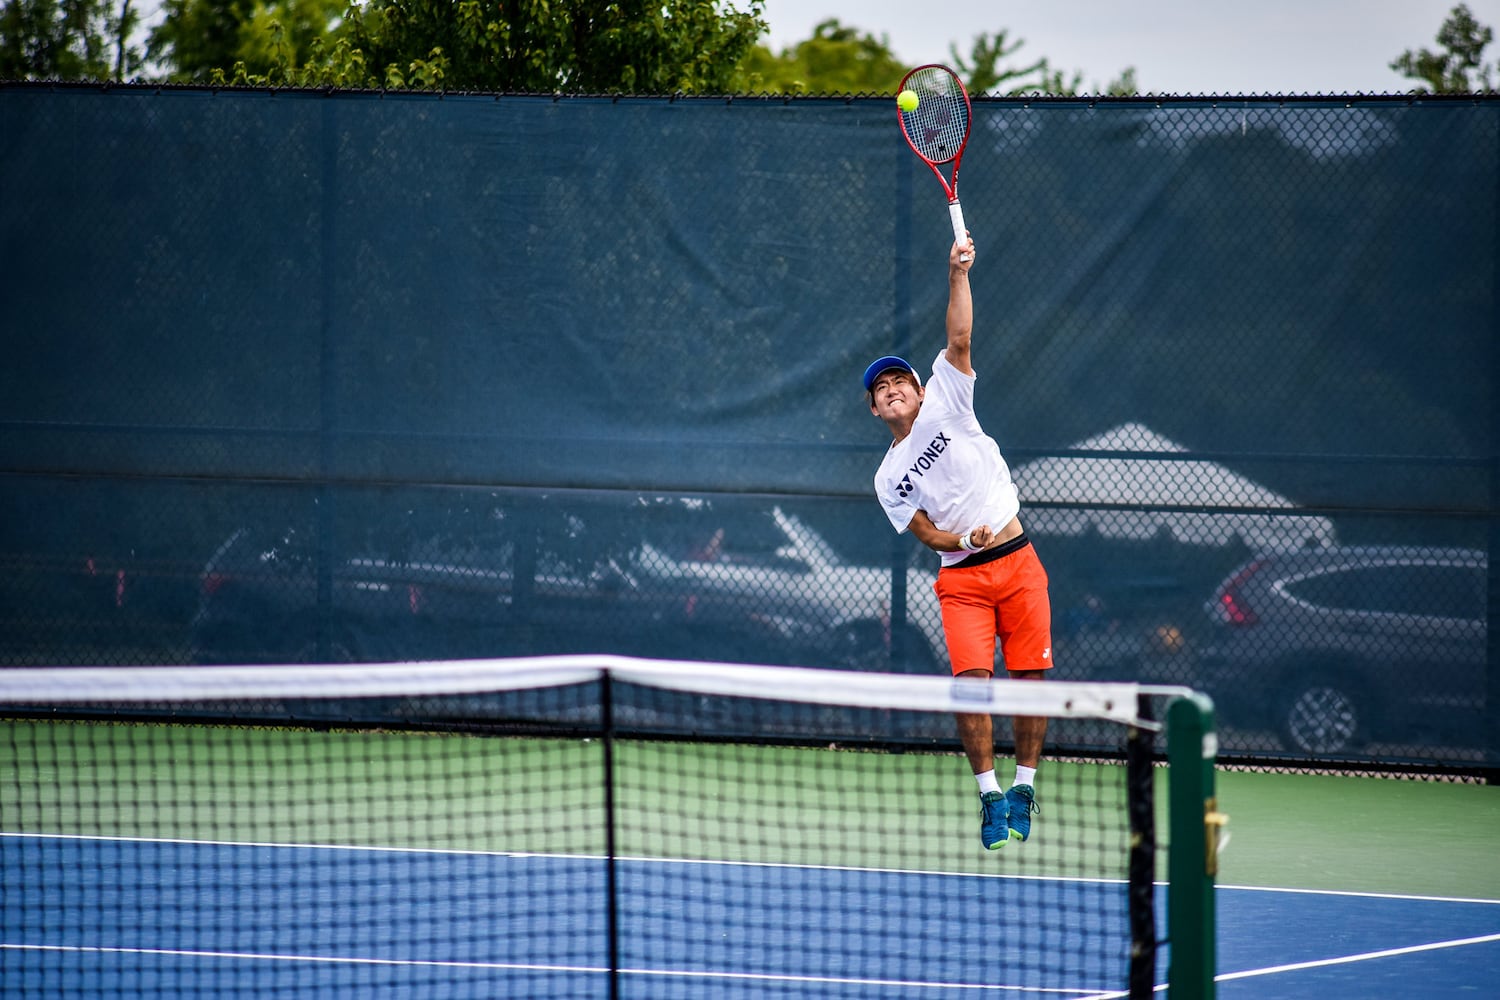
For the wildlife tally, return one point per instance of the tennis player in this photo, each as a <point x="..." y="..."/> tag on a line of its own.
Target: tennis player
<point x="944" y="480"/>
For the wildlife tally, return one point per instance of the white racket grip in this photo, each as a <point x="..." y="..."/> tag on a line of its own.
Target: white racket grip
<point x="960" y="231"/>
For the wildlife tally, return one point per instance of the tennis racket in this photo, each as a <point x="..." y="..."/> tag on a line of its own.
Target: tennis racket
<point x="937" y="130"/>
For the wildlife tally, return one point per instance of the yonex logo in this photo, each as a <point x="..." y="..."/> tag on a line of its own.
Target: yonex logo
<point x="924" y="461"/>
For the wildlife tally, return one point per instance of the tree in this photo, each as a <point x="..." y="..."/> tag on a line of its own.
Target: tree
<point x="588" y="46"/>
<point x="196" y="38"/>
<point x="287" y="32"/>
<point x="68" y="40"/>
<point x="986" y="72"/>
<point x="838" y="59"/>
<point x="127" y="58"/>
<point x="835" y="60"/>
<point x="1458" y="67"/>
<point x="986" y="75"/>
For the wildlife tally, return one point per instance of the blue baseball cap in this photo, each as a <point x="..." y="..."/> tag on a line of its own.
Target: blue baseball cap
<point x="885" y="364"/>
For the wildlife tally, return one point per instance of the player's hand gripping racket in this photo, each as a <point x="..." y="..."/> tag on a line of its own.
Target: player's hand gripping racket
<point x="937" y="130"/>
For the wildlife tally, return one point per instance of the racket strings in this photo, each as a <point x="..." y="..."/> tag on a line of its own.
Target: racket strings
<point x="939" y="125"/>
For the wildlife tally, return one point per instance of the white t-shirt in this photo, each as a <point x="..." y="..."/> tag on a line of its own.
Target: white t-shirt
<point x="947" y="466"/>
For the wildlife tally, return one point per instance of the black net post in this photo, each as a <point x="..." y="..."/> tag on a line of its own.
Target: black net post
<point x="611" y="876"/>
<point x="1139" y="754"/>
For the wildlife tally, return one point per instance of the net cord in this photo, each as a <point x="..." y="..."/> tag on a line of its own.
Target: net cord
<point x="1115" y="701"/>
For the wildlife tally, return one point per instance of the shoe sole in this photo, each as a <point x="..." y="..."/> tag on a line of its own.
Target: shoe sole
<point x="1014" y="835"/>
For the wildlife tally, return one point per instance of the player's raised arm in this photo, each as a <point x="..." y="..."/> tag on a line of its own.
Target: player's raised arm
<point x="960" y="306"/>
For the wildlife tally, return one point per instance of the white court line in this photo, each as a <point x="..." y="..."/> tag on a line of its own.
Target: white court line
<point x="1359" y="895"/>
<point x="1225" y="977"/>
<point x="268" y="957"/>
<point x="1067" y="993"/>
<point x="1342" y="960"/>
<point x="462" y="852"/>
<point x="1072" y="994"/>
<point x="1349" y="959"/>
<point x="98" y="838"/>
<point x="727" y="864"/>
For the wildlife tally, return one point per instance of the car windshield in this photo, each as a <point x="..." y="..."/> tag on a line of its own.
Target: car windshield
<point x="808" y="542"/>
<point x="1420" y="589"/>
<point x="761" y="538"/>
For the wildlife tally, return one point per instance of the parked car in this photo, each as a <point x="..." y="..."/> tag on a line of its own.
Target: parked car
<point x="413" y="584"/>
<point x="773" y="567"/>
<point x="1338" y="648"/>
<point x="97" y="607"/>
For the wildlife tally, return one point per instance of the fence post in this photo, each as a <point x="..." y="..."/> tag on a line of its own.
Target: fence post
<point x="901" y="324"/>
<point x="1491" y="711"/>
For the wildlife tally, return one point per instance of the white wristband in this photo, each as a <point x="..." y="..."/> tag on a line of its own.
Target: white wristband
<point x="967" y="543"/>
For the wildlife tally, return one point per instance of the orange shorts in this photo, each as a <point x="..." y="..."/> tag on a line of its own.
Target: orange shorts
<point x="1004" y="598"/>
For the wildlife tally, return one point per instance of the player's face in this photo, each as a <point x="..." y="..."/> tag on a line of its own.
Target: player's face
<point x="895" y="394"/>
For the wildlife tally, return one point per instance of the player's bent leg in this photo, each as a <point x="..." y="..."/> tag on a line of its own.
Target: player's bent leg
<point x="977" y="734"/>
<point x="976" y="731"/>
<point x="1025" y="618"/>
<point x="1030" y="734"/>
<point x="1030" y="731"/>
<point x="1020" y="798"/>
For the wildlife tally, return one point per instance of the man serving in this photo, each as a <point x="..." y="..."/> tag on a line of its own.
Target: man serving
<point x="944" y="480"/>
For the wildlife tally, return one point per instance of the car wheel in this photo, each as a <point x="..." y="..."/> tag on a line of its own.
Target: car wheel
<point x="340" y="648"/>
<point x="1319" y="715"/>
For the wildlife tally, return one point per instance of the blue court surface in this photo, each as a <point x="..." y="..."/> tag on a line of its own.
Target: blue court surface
<point x="1347" y="946"/>
<point x="88" y="917"/>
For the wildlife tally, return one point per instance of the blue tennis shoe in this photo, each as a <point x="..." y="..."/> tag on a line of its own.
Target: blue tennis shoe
<point x="994" y="829"/>
<point x="1020" y="803"/>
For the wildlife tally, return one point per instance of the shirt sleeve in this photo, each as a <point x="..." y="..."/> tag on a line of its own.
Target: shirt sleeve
<point x="954" y="391"/>
<point x="899" y="510"/>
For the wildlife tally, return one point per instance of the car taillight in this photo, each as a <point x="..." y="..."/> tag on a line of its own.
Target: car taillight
<point x="92" y="569"/>
<point x="1230" y="602"/>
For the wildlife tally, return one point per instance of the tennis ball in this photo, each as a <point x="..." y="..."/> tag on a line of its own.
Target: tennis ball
<point x="907" y="100"/>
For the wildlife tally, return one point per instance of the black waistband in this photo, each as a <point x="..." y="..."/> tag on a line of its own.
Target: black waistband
<point x="990" y="555"/>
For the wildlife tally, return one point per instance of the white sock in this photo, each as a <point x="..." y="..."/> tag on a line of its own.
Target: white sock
<point x="1024" y="776"/>
<point x="988" y="782"/>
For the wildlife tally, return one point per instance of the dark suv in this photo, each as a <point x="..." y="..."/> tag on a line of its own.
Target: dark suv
<point x="1341" y="648"/>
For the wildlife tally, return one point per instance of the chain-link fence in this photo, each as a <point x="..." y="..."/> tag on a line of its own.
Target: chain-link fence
<point x="298" y="376"/>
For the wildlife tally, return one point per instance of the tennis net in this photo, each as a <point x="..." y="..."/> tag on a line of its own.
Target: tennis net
<point x="580" y="827"/>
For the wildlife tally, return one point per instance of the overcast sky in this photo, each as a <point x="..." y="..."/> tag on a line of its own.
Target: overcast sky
<point x="1241" y="47"/>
